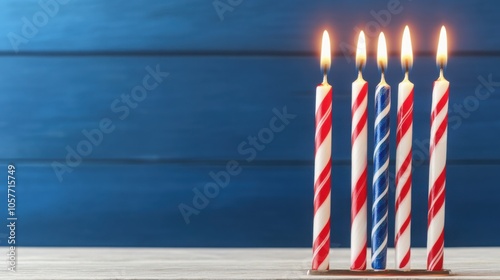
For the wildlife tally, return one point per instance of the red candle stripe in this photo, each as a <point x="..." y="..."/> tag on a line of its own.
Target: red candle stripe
<point x="437" y="176"/>
<point x="322" y="174"/>
<point x="402" y="241"/>
<point x="359" y="169"/>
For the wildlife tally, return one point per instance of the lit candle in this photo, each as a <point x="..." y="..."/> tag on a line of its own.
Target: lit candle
<point x="359" y="141"/>
<point x="381" y="163"/>
<point x="322" y="164"/>
<point x="404" y="134"/>
<point x="437" y="162"/>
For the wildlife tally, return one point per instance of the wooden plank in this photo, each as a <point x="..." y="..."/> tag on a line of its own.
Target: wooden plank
<point x="148" y="263"/>
<point x="138" y="205"/>
<point x="207" y="107"/>
<point x="291" y="26"/>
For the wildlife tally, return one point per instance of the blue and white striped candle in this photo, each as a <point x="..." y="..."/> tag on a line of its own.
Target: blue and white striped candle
<point x="381" y="163"/>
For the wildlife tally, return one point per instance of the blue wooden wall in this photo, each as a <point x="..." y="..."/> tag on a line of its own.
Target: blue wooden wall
<point x="68" y="67"/>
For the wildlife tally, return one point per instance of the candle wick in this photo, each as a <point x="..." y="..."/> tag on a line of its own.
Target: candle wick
<point x="382" y="76"/>
<point x="325" y="79"/>
<point x="441" y="74"/>
<point x="406" y="74"/>
<point x="360" y="74"/>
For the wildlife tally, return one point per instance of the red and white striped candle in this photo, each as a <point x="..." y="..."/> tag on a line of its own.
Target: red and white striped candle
<point x="437" y="162"/>
<point x="322" y="164"/>
<point x="402" y="240"/>
<point x="359" y="167"/>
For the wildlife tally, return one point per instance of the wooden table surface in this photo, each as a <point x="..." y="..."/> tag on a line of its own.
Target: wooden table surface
<point x="181" y="263"/>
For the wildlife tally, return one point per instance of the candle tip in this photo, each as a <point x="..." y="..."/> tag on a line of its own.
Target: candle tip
<point x="326" y="53"/>
<point x="382" y="52"/>
<point x="406" y="50"/>
<point x="442" y="52"/>
<point x="361" y="51"/>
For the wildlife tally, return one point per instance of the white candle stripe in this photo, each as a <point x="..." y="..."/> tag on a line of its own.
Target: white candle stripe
<point x="357" y="86"/>
<point x="381" y="170"/>
<point x="406" y="137"/>
<point x="404" y="90"/>
<point x="323" y="156"/>
<point x="358" y="232"/>
<point x="325" y="146"/>
<point x="437" y="196"/>
<point x="405" y="140"/>
<point x="436" y="258"/>
<point x="360" y="141"/>
<point x="436" y="223"/>
<point x="360" y="144"/>
<point x="320" y="246"/>
<point x="359" y="220"/>
<point x="437" y="161"/>
<point x="321" y="93"/>
<point x="377" y="200"/>
<point x="404" y="148"/>
<point x="382" y="115"/>
<point x="358" y="167"/>
<point x="404" y="239"/>
<point x="325" y="264"/>
<point x="403" y="180"/>
<point x="436" y="97"/>
<point x="377" y="225"/>
<point x="407" y="114"/>
<point x="321" y="217"/>
<point x="441" y="145"/>
<point x="380" y="248"/>
<point x="356" y="117"/>
<point x="405" y="208"/>
<point x="438" y="120"/>
<point x="381" y="142"/>
<point x="358" y="171"/>
<point x="322" y="184"/>
<point x="359" y="155"/>
<point x="324" y="118"/>
<point x="439" y="91"/>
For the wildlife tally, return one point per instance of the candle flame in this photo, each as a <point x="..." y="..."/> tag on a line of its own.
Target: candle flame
<point x="442" y="53"/>
<point x="382" y="52"/>
<point x="406" y="50"/>
<point x="361" y="51"/>
<point x="326" y="52"/>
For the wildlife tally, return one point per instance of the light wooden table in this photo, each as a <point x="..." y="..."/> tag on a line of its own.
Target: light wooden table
<point x="163" y="263"/>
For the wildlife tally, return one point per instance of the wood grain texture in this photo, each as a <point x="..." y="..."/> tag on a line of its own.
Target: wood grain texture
<point x="159" y="264"/>
<point x="267" y="206"/>
<point x="207" y="107"/>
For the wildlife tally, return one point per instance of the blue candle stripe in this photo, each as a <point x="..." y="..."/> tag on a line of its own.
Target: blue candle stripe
<point x="380" y="177"/>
